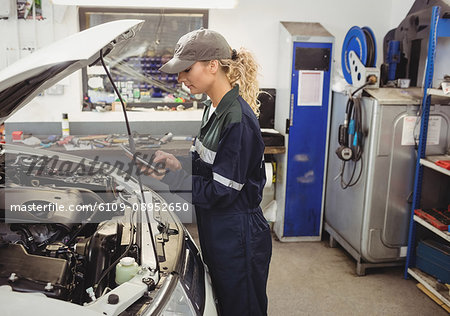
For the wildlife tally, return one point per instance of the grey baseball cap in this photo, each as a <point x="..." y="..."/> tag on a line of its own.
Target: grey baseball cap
<point x="198" y="45"/>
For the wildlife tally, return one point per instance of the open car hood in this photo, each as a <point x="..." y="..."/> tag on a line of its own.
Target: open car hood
<point x="26" y="78"/>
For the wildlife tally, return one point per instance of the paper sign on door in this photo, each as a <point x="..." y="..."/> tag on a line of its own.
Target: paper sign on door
<point x="310" y="88"/>
<point x="411" y="130"/>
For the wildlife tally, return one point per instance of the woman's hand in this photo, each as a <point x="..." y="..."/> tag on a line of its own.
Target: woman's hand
<point x="156" y="174"/>
<point x="167" y="160"/>
<point x="150" y="168"/>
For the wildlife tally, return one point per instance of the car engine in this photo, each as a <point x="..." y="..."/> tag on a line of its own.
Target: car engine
<point x="60" y="254"/>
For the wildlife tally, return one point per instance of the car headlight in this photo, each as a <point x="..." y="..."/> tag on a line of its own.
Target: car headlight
<point x="188" y="298"/>
<point x="185" y="290"/>
<point x="179" y="303"/>
<point x="192" y="276"/>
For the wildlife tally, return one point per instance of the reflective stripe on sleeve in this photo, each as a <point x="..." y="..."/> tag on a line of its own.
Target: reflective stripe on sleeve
<point x="227" y="182"/>
<point x="206" y="155"/>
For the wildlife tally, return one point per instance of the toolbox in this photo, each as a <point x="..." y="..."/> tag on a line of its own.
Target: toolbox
<point x="443" y="163"/>
<point x="433" y="258"/>
<point x="439" y="218"/>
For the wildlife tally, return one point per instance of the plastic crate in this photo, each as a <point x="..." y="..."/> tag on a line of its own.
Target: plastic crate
<point x="433" y="258"/>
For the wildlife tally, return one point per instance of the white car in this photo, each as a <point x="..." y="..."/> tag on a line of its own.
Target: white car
<point x="91" y="241"/>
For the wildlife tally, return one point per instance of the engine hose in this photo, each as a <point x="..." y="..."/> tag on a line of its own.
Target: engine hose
<point x="113" y="265"/>
<point x="75" y="234"/>
<point x="29" y="239"/>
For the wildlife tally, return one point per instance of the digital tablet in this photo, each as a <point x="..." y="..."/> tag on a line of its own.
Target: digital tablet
<point x="140" y="160"/>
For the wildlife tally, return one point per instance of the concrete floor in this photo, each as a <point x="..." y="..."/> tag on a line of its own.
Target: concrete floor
<point x="311" y="278"/>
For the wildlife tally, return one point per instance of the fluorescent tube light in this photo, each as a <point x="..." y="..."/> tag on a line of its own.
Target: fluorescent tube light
<point x="187" y="4"/>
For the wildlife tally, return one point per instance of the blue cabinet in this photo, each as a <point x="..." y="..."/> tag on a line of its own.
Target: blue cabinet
<point x="302" y="115"/>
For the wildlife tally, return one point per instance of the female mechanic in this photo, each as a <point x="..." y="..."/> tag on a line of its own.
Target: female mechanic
<point x="228" y="173"/>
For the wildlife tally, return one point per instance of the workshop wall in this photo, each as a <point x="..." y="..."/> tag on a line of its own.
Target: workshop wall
<point x="21" y="37"/>
<point x="253" y="24"/>
<point x="399" y="10"/>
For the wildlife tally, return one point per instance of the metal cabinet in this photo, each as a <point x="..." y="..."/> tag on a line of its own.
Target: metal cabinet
<point x="370" y="219"/>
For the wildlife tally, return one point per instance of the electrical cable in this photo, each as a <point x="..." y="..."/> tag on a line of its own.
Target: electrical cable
<point x="44" y="283"/>
<point x="158" y="30"/>
<point x="417" y="124"/>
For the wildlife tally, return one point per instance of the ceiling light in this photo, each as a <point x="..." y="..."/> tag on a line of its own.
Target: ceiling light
<point x="186" y="4"/>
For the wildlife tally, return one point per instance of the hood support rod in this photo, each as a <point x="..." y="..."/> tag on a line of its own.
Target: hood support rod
<point x="133" y="150"/>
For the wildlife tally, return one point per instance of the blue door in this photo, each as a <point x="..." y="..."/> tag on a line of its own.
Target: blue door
<point x="310" y="92"/>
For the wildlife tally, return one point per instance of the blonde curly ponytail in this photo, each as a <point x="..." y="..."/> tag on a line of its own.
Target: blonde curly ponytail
<point x="243" y="70"/>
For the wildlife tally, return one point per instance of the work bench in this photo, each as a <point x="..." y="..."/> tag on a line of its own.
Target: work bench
<point x="116" y="155"/>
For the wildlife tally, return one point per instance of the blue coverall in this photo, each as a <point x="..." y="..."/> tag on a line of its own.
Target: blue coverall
<point x="228" y="177"/>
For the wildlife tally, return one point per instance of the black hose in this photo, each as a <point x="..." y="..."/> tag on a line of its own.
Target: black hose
<point x="362" y="87"/>
<point x="113" y="265"/>
<point x="370" y="48"/>
<point x="75" y="234"/>
<point x="29" y="239"/>
<point x="354" y="112"/>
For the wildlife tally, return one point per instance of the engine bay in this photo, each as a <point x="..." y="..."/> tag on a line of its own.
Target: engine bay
<point x="62" y="253"/>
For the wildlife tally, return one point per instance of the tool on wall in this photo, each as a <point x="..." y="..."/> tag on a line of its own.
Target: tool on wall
<point x="359" y="57"/>
<point x="351" y="141"/>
